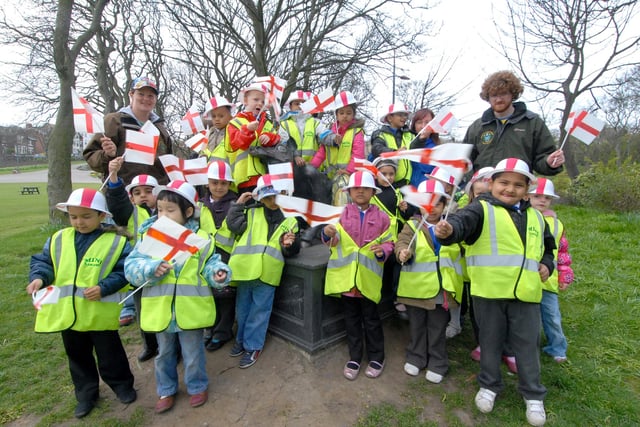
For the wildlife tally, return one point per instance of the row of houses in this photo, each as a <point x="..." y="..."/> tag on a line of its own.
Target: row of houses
<point x="20" y="145"/>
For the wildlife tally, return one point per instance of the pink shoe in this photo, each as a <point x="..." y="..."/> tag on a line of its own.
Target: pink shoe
<point x="510" y="361"/>
<point x="475" y="354"/>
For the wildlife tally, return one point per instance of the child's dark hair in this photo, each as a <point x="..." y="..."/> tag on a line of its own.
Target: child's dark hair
<point x="183" y="204"/>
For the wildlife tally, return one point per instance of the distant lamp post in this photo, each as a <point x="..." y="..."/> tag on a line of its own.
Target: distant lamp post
<point x="393" y="79"/>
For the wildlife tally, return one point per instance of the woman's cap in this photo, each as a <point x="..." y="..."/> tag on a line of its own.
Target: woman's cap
<point x="362" y="179"/>
<point x="431" y="186"/>
<point x="219" y="170"/>
<point x="514" y="165"/>
<point x="182" y="188"/>
<point x="140" y="82"/>
<point x="298" y="95"/>
<point x="140" y="181"/>
<point x="545" y="187"/>
<point x="264" y="188"/>
<point x="394" y="109"/>
<point x="343" y="99"/>
<point x="481" y="173"/>
<point x="443" y="175"/>
<point x="86" y="198"/>
<point x="217" y="102"/>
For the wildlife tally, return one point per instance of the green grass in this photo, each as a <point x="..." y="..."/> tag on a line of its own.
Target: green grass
<point x="600" y="385"/>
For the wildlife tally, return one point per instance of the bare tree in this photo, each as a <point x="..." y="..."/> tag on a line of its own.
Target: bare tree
<point x="569" y="48"/>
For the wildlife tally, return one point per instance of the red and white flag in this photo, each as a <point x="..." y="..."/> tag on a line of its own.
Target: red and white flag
<point x="275" y="84"/>
<point x="192" y="121"/>
<point x="314" y="213"/>
<point x="193" y="171"/>
<point x="366" y="165"/>
<point x="453" y="156"/>
<point x="319" y="103"/>
<point x="584" y="126"/>
<point x="443" y="122"/>
<point x="85" y="118"/>
<point x="48" y="295"/>
<point x="282" y="177"/>
<point x="425" y="201"/>
<point x="170" y="241"/>
<point x="140" y="147"/>
<point x="149" y="128"/>
<point x="198" y="141"/>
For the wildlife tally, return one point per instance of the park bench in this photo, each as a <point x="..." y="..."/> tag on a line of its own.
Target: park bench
<point x="30" y="190"/>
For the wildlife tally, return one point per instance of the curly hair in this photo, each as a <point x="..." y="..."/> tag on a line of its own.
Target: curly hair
<point x="500" y="82"/>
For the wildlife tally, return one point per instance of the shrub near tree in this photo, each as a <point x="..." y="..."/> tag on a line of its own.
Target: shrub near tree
<point x="608" y="186"/>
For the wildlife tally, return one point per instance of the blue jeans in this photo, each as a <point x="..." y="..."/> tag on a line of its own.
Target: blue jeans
<point x="254" y="301"/>
<point x="552" y="325"/>
<point x="193" y="360"/>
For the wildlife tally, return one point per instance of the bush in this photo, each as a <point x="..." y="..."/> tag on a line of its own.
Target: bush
<point x="608" y="186"/>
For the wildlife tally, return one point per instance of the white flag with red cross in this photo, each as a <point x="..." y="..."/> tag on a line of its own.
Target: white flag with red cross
<point x="319" y="103"/>
<point x="193" y="171"/>
<point x="584" y="126"/>
<point x="170" y="241"/>
<point x="85" y="118"/>
<point x="198" y="141"/>
<point x="192" y="121"/>
<point x="314" y="213"/>
<point x="282" y="177"/>
<point x="366" y="165"/>
<point x="275" y="85"/>
<point x="443" y="122"/>
<point x="140" y="147"/>
<point x="416" y="198"/>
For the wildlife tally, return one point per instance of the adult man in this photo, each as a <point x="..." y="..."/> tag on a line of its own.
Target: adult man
<point x="508" y="129"/>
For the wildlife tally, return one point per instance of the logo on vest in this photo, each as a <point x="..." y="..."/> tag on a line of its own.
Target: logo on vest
<point x="533" y="231"/>
<point x="487" y="137"/>
<point x="92" y="262"/>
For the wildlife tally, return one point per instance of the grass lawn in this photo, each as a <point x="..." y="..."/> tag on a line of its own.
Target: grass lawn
<point x="600" y="385"/>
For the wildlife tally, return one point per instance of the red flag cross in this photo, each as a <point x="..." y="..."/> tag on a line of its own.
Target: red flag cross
<point x="178" y="245"/>
<point x="180" y="167"/>
<point x="189" y="117"/>
<point x="308" y="215"/>
<point x="458" y="164"/>
<point x="321" y="104"/>
<point x="362" y="164"/>
<point x="578" y="122"/>
<point x="445" y="119"/>
<point x="271" y="80"/>
<point x="143" y="148"/>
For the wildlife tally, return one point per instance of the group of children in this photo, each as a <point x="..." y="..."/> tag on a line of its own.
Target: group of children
<point x="379" y="238"/>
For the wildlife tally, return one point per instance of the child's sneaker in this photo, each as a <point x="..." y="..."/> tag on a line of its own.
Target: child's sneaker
<point x="249" y="358"/>
<point x="412" y="370"/>
<point x="560" y="359"/>
<point x="510" y="361"/>
<point x="536" y="415"/>
<point x="485" y="399"/>
<point x="452" y="330"/>
<point x="236" y="350"/>
<point x="475" y="354"/>
<point x="433" y="377"/>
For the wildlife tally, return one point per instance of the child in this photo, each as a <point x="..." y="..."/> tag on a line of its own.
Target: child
<point x="265" y="238"/>
<point x="218" y="112"/>
<point x="431" y="277"/>
<point x="175" y="305"/>
<point x="509" y="252"/>
<point x="248" y="128"/>
<point x="85" y="261"/>
<point x="348" y="143"/>
<point x="305" y="131"/>
<point x="424" y="138"/>
<point x="540" y="198"/>
<point x="213" y="213"/>
<point x="360" y="244"/>
<point x="394" y="135"/>
<point x="131" y="206"/>
<point x="478" y="184"/>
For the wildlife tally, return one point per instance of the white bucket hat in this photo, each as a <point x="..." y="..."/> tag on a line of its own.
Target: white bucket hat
<point x="217" y="102"/>
<point x="219" y="170"/>
<point x="264" y="188"/>
<point x="182" y="188"/>
<point x="431" y="186"/>
<point x="85" y="198"/>
<point x="343" y="99"/>
<point x="362" y="179"/>
<point x="545" y="187"/>
<point x="514" y="165"/>
<point x="393" y="109"/>
<point x="140" y="181"/>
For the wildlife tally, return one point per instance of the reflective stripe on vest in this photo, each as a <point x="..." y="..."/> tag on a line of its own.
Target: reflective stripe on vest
<point x="556" y="228"/>
<point x="500" y="266"/>
<point x="350" y="265"/>
<point x="188" y="295"/>
<point x="244" y="165"/>
<point x="255" y="257"/>
<point x="394" y="218"/>
<point x="73" y="310"/>
<point x="138" y="216"/>
<point x="404" y="166"/>
<point x="339" y="157"/>
<point x="308" y="146"/>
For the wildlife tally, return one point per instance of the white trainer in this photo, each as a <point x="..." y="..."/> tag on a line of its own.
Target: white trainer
<point x="485" y="399"/>
<point x="536" y="416"/>
<point x="433" y="377"/>
<point x="412" y="370"/>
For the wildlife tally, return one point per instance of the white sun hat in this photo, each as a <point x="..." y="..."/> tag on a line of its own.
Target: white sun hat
<point x="393" y="109"/>
<point x="219" y="170"/>
<point x="182" y="188"/>
<point x="545" y="187"/>
<point x="264" y="188"/>
<point x="434" y="187"/>
<point x="85" y="198"/>
<point x="514" y="165"/>
<point x="140" y="181"/>
<point x="362" y="179"/>
<point x="217" y="102"/>
<point x="343" y="99"/>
